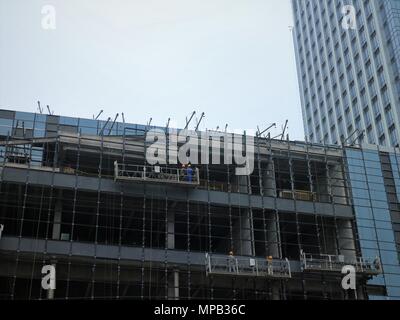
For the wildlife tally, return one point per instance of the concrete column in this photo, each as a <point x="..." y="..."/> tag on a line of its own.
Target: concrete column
<point x="275" y="291"/>
<point x="173" y="286"/>
<point x="346" y="239"/>
<point x="171" y="230"/>
<point x="337" y="184"/>
<point x="320" y="187"/>
<point x="360" y="293"/>
<point x="329" y="243"/>
<point x="242" y="236"/>
<point x="272" y="236"/>
<point x="268" y="178"/>
<point x="242" y="231"/>
<point x="243" y="184"/>
<point x="57" y="217"/>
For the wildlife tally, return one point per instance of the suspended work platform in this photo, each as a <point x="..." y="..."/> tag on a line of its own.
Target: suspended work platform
<point x="157" y="174"/>
<point x="334" y="263"/>
<point x="250" y="267"/>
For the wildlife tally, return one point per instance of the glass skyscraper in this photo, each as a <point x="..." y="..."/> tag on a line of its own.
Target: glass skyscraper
<point x="348" y="59"/>
<point x="374" y="177"/>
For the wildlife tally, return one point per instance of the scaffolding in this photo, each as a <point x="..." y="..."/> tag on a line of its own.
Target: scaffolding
<point x="117" y="228"/>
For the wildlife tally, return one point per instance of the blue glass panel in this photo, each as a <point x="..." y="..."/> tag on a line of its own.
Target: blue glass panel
<point x="141" y="130"/>
<point x="393" y="292"/>
<point x="24" y="124"/>
<point x="364" y="212"/>
<point x="374" y="179"/>
<point x="120" y="128"/>
<point x="362" y="202"/>
<point x="357" y="170"/>
<point x="40" y="128"/>
<point x="365" y="223"/>
<point x="374" y="172"/>
<point x="88" y="127"/>
<point x="392" y="269"/>
<point x="371" y="156"/>
<point x="69" y="121"/>
<point x="384" y="225"/>
<point x="356" y="162"/>
<point x="370" y="253"/>
<point x="393" y="280"/>
<point x="379" y="204"/>
<point x="378" y="281"/>
<point x="366" y="244"/>
<point x="5" y="126"/>
<point x="377" y="187"/>
<point x="24" y="116"/>
<point x="377" y="195"/>
<point x="355" y="154"/>
<point x="373" y="165"/>
<point x="381" y="213"/>
<point x="385" y="235"/>
<point x="367" y="233"/>
<point x="389" y="246"/>
<point x="357" y="177"/>
<point x="40" y="118"/>
<point x="377" y="298"/>
<point x="360" y="193"/>
<point x="359" y="185"/>
<point x="389" y="257"/>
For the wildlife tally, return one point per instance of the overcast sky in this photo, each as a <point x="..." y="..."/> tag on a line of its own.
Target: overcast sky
<point x="234" y="60"/>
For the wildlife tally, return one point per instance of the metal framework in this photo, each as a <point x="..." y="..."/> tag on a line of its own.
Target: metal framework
<point x="247" y="267"/>
<point x="334" y="263"/>
<point x="158" y="174"/>
<point x="117" y="228"/>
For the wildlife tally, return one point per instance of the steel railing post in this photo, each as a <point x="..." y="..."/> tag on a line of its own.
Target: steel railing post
<point x="116" y="171"/>
<point x="289" y="270"/>
<point x="237" y="266"/>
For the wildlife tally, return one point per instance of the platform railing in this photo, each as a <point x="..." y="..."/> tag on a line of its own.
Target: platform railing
<point x="335" y="263"/>
<point x="242" y="266"/>
<point x="159" y="174"/>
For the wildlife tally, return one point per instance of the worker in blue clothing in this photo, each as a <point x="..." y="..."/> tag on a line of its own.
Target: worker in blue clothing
<point x="189" y="173"/>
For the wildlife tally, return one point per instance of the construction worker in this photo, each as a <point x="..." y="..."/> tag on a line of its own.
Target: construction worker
<point x="377" y="264"/>
<point x="183" y="172"/>
<point x="189" y="172"/>
<point x="231" y="262"/>
<point x="269" y="265"/>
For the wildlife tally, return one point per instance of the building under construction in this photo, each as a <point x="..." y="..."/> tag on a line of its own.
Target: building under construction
<point x="79" y="194"/>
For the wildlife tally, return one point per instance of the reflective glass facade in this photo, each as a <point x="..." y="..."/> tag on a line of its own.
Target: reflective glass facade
<point x="349" y="78"/>
<point x="374" y="178"/>
<point x="28" y="125"/>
